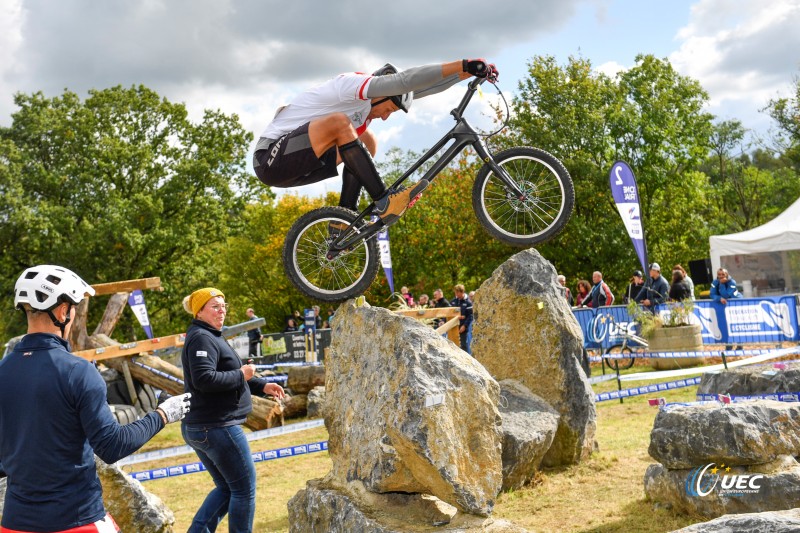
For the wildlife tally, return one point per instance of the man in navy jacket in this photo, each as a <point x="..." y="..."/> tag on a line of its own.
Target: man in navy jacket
<point x="54" y="416"/>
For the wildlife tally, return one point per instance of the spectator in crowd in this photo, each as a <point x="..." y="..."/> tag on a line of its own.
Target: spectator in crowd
<point x="221" y="390"/>
<point x="408" y="298"/>
<point x="636" y="284"/>
<point x="439" y="301"/>
<point x="679" y="289"/>
<point x="687" y="279"/>
<point x="724" y="287"/>
<point x="54" y="417"/>
<point x="461" y="301"/>
<point x="317" y="318"/>
<point x="655" y="290"/>
<point x="290" y="326"/>
<point x="325" y="325"/>
<point x="423" y="302"/>
<point x="583" y="298"/>
<point x="254" y="336"/>
<point x="562" y="281"/>
<point x="472" y="296"/>
<point x="601" y="293"/>
<point x="331" y="312"/>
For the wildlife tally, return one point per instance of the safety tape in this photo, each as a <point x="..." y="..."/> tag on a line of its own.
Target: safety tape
<point x="279" y="365"/>
<point x="777" y="396"/>
<point x="191" y="468"/>
<point x="771" y="354"/>
<point x="600" y="379"/>
<point x="648" y="389"/>
<point x="253" y="436"/>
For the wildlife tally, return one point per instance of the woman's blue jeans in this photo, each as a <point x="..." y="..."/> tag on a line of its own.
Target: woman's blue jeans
<point x="225" y="453"/>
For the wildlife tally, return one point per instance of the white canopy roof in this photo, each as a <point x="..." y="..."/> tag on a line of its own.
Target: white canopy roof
<point x="779" y="234"/>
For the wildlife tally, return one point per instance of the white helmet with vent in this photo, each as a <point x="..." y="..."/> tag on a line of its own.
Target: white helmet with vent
<point x="43" y="287"/>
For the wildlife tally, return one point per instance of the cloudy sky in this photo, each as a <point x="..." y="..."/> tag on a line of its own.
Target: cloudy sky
<point x="248" y="57"/>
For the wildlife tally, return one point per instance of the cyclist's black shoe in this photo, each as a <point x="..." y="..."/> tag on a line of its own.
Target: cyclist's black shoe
<point x="391" y="206"/>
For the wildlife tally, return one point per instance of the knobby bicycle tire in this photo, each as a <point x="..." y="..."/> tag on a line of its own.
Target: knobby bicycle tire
<point x="330" y="280"/>
<point x="550" y="197"/>
<point x="619" y="364"/>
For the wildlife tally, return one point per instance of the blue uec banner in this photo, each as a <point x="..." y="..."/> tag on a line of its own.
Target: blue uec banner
<point x="741" y="321"/>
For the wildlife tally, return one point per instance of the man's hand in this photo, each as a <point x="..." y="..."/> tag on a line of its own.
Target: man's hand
<point x="273" y="389"/>
<point x="480" y="68"/>
<point x="175" y="408"/>
<point x="248" y="371"/>
<point x="462" y="329"/>
<point x="646" y="303"/>
<point x="723" y="301"/>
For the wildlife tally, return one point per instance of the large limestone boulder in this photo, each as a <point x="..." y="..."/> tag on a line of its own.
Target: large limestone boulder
<point x="322" y="509"/>
<point x="524" y="330"/>
<point x="735" y="434"/>
<point x="777" y="488"/>
<point x="767" y="522"/>
<point x="529" y="426"/>
<point x="749" y="380"/>
<point x="408" y="411"/>
<point x="133" y="507"/>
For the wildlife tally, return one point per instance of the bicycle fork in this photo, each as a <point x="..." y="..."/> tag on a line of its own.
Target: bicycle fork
<point x="499" y="171"/>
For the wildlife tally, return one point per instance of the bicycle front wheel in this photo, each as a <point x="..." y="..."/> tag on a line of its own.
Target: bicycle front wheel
<point x="619" y="363"/>
<point x="313" y="272"/>
<point x="544" y="210"/>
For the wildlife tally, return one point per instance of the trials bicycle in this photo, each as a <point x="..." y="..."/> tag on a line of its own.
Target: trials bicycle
<point x="521" y="196"/>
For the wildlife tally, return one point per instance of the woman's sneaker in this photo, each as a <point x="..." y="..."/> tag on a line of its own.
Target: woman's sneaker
<point x="391" y="206"/>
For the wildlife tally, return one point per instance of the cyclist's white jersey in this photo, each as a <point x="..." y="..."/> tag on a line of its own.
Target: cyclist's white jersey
<point x="346" y="93"/>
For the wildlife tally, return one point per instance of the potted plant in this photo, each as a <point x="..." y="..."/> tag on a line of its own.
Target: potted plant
<point x="671" y="330"/>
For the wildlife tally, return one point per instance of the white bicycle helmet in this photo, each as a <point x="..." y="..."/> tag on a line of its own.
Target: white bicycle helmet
<point x="402" y="101"/>
<point x="43" y="287"/>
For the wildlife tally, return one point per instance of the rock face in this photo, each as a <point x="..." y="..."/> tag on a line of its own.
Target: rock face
<point x="133" y="508"/>
<point x="315" y="402"/>
<point x="735" y="434"/>
<point x="768" y="522"/>
<point x="529" y="426"/>
<point x="778" y="488"/>
<point x="301" y="379"/>
<point x="748" y="380"/>
<point x="524" y="330"/>
<point x="320" y="509"/>
<point x="721" y="459"/>
<point x="408" y="411"/>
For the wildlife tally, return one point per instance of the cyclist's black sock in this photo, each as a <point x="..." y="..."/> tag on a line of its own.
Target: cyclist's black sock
<point x="357" y="158"/>
<point x="351" y="189"/>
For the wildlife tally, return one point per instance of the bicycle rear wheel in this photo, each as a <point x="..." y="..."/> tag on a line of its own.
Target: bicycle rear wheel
<point x="308" y="267"/>
<point x="546" y="208"/>
<point x="619" y="364"/>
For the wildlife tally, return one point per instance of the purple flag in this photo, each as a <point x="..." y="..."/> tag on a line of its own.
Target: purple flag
<point x="136" y="301"/>
<point x="386" y="255"/>
<point x="626" y="196"/>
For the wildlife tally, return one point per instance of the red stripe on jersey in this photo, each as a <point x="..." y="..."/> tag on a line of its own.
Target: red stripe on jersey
<point x="361" y="95"/>
<point x="362" y="128"/>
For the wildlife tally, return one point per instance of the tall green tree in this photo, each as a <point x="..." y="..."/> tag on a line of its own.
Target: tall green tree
<point x="649" y="116"/>
<point x="118" y="186"/>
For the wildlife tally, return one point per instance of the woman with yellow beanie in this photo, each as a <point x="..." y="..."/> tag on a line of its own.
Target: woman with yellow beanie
<point x="221" y="387"/>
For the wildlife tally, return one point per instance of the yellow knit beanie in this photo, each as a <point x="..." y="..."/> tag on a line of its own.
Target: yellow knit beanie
<point x="195" y="301"/>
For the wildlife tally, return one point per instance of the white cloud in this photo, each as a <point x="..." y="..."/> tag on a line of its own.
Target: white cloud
<point x="742" y="52"/>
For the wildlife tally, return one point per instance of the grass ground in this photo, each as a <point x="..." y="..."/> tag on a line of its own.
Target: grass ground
<point x="601" y="495"/>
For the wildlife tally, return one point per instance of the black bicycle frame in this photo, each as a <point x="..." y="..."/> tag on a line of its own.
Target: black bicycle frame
<point x="461" y="135"/>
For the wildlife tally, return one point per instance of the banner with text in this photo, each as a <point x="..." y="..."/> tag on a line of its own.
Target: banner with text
<point x="626" y="197"/>
<point x="136" y="301"/>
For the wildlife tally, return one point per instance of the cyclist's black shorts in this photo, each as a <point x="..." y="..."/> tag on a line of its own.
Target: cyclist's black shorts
<point x="290" y="161"/>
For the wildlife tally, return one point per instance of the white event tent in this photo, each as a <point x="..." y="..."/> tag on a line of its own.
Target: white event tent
<point x="764" y="260"/>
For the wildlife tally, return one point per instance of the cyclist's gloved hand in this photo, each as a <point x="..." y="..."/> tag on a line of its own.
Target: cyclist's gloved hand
<point x="492" y="73"/>
<point x="476" y="67"/>
<point x="176" y="407"/>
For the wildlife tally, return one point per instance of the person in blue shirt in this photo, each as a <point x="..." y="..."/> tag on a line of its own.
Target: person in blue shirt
<point x="54" y="417"/>
<point x="724" y="288"/>
<point x="464" y="305"/>
<point x="655" y="289"/>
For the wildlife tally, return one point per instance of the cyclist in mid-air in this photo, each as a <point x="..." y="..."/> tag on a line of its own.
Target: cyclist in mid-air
<point x="327" y="125"/>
